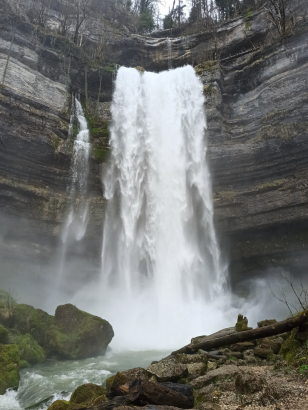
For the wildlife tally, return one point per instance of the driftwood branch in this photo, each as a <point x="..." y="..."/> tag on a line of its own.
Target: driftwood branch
<point x="259" y="333"/>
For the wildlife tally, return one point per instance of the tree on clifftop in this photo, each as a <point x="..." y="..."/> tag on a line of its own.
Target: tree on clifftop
<point x="277" y="11"/>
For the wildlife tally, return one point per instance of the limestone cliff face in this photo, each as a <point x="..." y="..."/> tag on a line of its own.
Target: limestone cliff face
<point x="257" y="109"/>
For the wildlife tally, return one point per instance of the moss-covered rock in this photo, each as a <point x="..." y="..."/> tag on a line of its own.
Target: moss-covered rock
<point x="87" y="392"/>
<point x="23" y="364"/>
<point x="27" y="319"/>
<point x="241" y="324"/>
<point x="290" y="346"/>
<point x="109" y="382"/>
<point x="75" y="334"/>
<point x="9" y="367"/>
<point x="14" y="334"/>
<point x="266" y="322"/>
<point x="100" y="400"/>
<point x="4" y="335"/>
<point x="29" y="350"/>
<point x="64" y="405"/>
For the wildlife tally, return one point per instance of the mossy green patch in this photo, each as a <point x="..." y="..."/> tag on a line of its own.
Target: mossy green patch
<point x="75" y="334"/>
<point x="23" y="364"/>
<point x="64" y="405"/>
<point x="209" y="90"/>
<point x="4" y="335"/>
<point x="9" y="367"/>
<point x="209" y="66"/>
<point x="109" y="382"/>
<point x="100" y="400"/>
<point x="242" y="323"/>
<point x="27" y="319"/>
<point x="268" y="186"/>
<point x="101" y="154"/>
<point x="290" y="346"/>
<point x="86" y="392"/>
<point x="29" y="350"/>
<point x="140" y="69"/>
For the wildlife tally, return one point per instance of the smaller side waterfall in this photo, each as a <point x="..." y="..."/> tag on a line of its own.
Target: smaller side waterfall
<point x="169" y="49"/>
<point x="77" y="220"/>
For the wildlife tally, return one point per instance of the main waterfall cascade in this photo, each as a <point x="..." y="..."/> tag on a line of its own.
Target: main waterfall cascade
<point x="161" y="264"/>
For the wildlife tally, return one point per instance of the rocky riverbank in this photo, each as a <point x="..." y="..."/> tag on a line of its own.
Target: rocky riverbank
<point x="29" y="336"/>
<point x="267" y="373"/>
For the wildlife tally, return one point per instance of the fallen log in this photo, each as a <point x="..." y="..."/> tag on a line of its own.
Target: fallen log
<point x="142" y="393"/>
<point x="247" y="335"/>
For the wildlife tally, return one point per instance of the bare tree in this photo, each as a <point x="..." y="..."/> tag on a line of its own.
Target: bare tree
<point x="82" y="10"/>
<point x="38" y="12"/>
<point x="277" y="11"/>
<point x="299" y="292"/>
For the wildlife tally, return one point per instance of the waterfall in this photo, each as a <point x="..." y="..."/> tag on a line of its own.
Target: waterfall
<point x="161" y="263"/>
<point x="169" y="50"/>
<point x="75" y="225"/>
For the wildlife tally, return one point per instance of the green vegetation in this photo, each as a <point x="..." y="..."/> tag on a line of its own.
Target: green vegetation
<point x="88" y="392"/>
<point x="289" y="347"/>
<point x="75" y="334"/>
<point x="242" y="323"/>
<point x="101" y="154"/>
<point x="99" y="137"/>
<point x="29" y="350"/>
<point x="27" y="319"/>
<point x="4" y="335"/>
<point x="109" y="382"/>
<point x="9" y="367"/>
<point x="64" y="405"/>
<point x="303" y="369"/>
<point x="210" y="66"/>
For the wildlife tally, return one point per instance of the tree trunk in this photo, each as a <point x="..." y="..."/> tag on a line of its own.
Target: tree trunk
<point x="272" y="330"/>
<point x="142" y="393"/>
